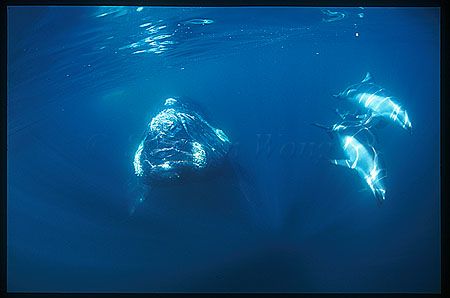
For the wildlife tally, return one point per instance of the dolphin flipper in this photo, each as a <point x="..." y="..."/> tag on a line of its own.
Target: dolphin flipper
<point x="345" y="115"/>
<point x="327" y="129"/>
<point x="357" y="116"/>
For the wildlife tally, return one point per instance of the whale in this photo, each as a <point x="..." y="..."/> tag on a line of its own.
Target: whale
<point x="179" y="146"/>
<point x="377" y="101"/>
<point x="356" y="141"/>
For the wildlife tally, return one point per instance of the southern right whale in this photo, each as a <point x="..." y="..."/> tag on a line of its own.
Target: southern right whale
<point x="361" y="155"/>
<point x="178" y="145"/>
<point x="376" y="100"/>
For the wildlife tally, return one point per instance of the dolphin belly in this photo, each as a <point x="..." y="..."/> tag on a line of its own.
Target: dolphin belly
<point x="358" y="155"/>
<point x="387" y="108"/>
<point x="378" y="105"/>
<point x="364" y="160"/>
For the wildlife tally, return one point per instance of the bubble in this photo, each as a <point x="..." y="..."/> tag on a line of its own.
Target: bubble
<point x="200" y="21"/>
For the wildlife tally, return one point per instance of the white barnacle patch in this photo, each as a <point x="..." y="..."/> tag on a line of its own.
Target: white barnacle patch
<point x="198" y="155"/>
<point x="221" y="135"/>
<point x="163" y="121"/>
<point x="170" y="101"/>
<point x="137" y="160"/>
<point x="166" y="165"/>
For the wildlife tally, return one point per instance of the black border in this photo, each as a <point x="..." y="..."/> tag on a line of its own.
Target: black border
<point x="220" y="3"/>
<point x="444" y="108"/>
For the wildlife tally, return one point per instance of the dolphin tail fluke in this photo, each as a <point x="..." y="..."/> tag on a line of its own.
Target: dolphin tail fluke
<point x="327" y="129"/>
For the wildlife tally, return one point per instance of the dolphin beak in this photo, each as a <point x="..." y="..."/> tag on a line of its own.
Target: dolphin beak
<point x="336" y="95"/>
<point x="380" y="194"/>
<point x="409" y="129"/>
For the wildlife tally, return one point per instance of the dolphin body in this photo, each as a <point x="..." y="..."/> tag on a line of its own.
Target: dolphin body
<point x="361" y="155"/>
<point x="377" y="101"/>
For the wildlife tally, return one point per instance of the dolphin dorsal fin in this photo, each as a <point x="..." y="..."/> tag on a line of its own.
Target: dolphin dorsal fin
<point x="368" y="78"/>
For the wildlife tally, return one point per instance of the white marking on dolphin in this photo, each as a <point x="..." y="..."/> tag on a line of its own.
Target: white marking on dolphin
<point x="376" y="100"/>
<point x="361" y="156"/>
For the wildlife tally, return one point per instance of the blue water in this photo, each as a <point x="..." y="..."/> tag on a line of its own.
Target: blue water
<point x="84" y="81"/>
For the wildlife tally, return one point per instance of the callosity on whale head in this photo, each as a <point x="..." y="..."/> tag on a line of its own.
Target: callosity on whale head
<point x="178" y="142"/>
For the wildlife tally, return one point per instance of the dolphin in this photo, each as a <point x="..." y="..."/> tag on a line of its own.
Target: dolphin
<point x="377" y="101"/>
<point x="361" y="155"/>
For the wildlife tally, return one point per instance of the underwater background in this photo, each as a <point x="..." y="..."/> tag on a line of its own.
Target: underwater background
<point x="83" y="82"/>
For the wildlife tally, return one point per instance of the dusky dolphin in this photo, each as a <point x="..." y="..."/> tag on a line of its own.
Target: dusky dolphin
<point x="376" y="100"/>
<point x="354" y="139"/>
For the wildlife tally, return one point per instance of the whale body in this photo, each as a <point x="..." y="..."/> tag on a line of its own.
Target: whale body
<point x="377" y="101"/>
